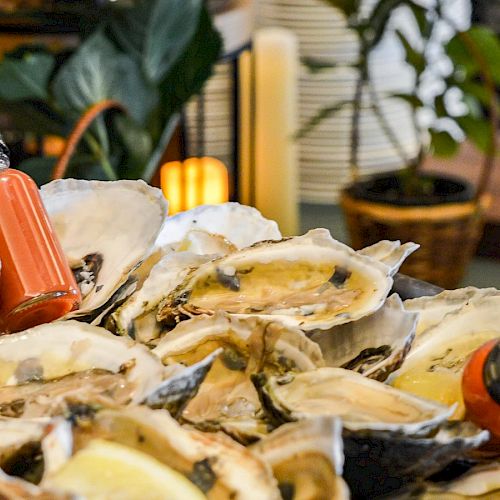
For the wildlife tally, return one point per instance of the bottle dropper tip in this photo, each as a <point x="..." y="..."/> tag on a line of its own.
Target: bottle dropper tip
<point x="4" y="154"/>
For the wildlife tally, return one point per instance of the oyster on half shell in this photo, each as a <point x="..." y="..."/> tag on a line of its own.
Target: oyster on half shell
<point x="137" y="316"/>
<point x="227" y="398"/>
<point x="390" y="253"/>
<point x="377" y="463"/>
<point x="434" y="365"/>
<point x="307" y="458"/>
<point x="106" y="229"/>
<point x="310" y="281"/>
<point x="362" y="403"/>
<point x="220" y="467"/>
<point x="374" y="346"/>
<point x="45" y="368"/>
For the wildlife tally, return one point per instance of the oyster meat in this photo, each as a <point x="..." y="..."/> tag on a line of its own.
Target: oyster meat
<point x="374" y="346"/>
<point x="42" y="367"/>
<point x="106" y="229"/>
<point x="310" y="282"/>
<point x="227" y="399"/>
<point x="307" y="458"/>
<point x="361" y="403"/>
<point x="137" y="316"/>
<point x="434" y="366"/>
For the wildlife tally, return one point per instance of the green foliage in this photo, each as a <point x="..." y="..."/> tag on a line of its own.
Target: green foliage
<point x="151" y="57"/>
<point x="155" y="32"/>
<point x="26" y="78"/>
<point x="475" y="70"/>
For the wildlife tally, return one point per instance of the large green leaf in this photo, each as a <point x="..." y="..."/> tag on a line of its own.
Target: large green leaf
<point x="156" y="32"/>
<point x="136" y="144"/>
<point x="442" y="143"/>
<point x="26" y="78"/>
<point x="477" y="130"/>
<point x="188" y="75"/>
<point x="98" y="71"/>
<point x="481" y="53"/>
<point x="34" y="116"/>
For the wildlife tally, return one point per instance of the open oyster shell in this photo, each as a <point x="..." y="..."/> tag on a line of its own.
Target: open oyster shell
<point x="227" y="398"/>
<point x="137" y="316"/>
<point x="310" y="282"/>
<point x="307" y="458"/>
<point x="390" y="253"/>
<point x="220" y="467"/>
<point x="377" y="463"/>
<point x="241" y="225"/>
<point x="433" y="309"/>
<point x="106" y="229"/>
<point x="481" y="482"/>
<point x="13" y="488"/>
<point x="374" y="346"/>
<point x="41" y="367"/>
<point x="362" y="403"/>
<point x="434" y="365"/>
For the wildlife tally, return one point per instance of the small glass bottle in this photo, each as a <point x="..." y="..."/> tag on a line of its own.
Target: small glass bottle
<point x="36" y="283"/>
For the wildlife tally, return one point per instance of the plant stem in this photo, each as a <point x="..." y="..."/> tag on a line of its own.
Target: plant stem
<point x="386" y="127"/>
<point x="101" y="156"/>
<point x="356" y="112"/>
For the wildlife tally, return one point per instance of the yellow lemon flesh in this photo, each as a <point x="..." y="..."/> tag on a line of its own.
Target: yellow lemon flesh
<point x="108" y="471"/>
<point x="438" y="376"/>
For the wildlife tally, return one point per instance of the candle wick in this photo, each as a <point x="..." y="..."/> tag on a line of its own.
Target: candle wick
<point x="4" y="155"/>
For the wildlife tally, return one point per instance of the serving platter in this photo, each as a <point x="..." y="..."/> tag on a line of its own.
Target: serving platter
<point x="240" y="365"/>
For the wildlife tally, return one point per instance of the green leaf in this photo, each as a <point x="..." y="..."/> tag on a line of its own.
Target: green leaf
<point x="440" y="107"/>
<point x="156" y="32"/>
<point x="414" y="58"/>
<point x="34" y="117"/>
<point x="487" y="51"/>
<point x="476" y="90"/>
<point x="411" y="99"/>
<point x="137" y="145"/>
<point x="424" y="25"/>
<point x="26" y="78"/>
<point x="321" y="115"/>
<point x="442" y="143"/>
<point x="97" y="71"/>
<point x="380" y="16"/>
<point x="317" y="65"/>
<point x="190" y="72"/>
<point x="476" y="130"/>
<point x="348" y="7"/>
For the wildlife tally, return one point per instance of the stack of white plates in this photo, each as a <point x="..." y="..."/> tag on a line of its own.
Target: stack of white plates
<point x="210" y="118"/>
<point x="325" y="151"/>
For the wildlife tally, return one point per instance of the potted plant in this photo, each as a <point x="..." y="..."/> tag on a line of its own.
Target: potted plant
<point x="115" y="100"/>
<point x="444" y="215"/>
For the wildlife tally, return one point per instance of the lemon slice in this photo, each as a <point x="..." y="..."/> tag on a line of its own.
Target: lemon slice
<point x="106" y="470"/>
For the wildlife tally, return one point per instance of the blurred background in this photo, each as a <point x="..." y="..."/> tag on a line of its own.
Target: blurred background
<point x="284" y="104"/>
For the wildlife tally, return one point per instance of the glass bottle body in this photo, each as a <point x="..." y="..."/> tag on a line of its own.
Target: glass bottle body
<point x="36" y="283"/>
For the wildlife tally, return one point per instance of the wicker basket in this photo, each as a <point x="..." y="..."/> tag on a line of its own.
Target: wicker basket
<point x="448" y="234"/>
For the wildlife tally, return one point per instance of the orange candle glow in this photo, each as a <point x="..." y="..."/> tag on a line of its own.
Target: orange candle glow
<point x="196" y="181"/>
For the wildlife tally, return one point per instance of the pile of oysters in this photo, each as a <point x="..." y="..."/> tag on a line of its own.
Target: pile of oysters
<point x="249" y="365"/>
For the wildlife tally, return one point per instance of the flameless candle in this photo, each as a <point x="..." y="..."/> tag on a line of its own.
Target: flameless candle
<point x="196" y="181"/>
<point x="275" y="170"/>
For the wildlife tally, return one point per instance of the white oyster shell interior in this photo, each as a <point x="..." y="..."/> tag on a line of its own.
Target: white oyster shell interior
<point x="118" y="220"/>
<point x="240" y="224"/>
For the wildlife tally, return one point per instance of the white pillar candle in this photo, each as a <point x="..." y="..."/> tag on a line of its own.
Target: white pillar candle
<point x="276" y="63"/>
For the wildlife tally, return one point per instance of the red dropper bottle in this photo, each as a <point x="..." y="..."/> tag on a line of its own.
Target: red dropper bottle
<point x="36" y="283"/>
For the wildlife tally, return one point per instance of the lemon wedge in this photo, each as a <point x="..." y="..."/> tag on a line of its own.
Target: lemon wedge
<point x="107" y="471"/>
